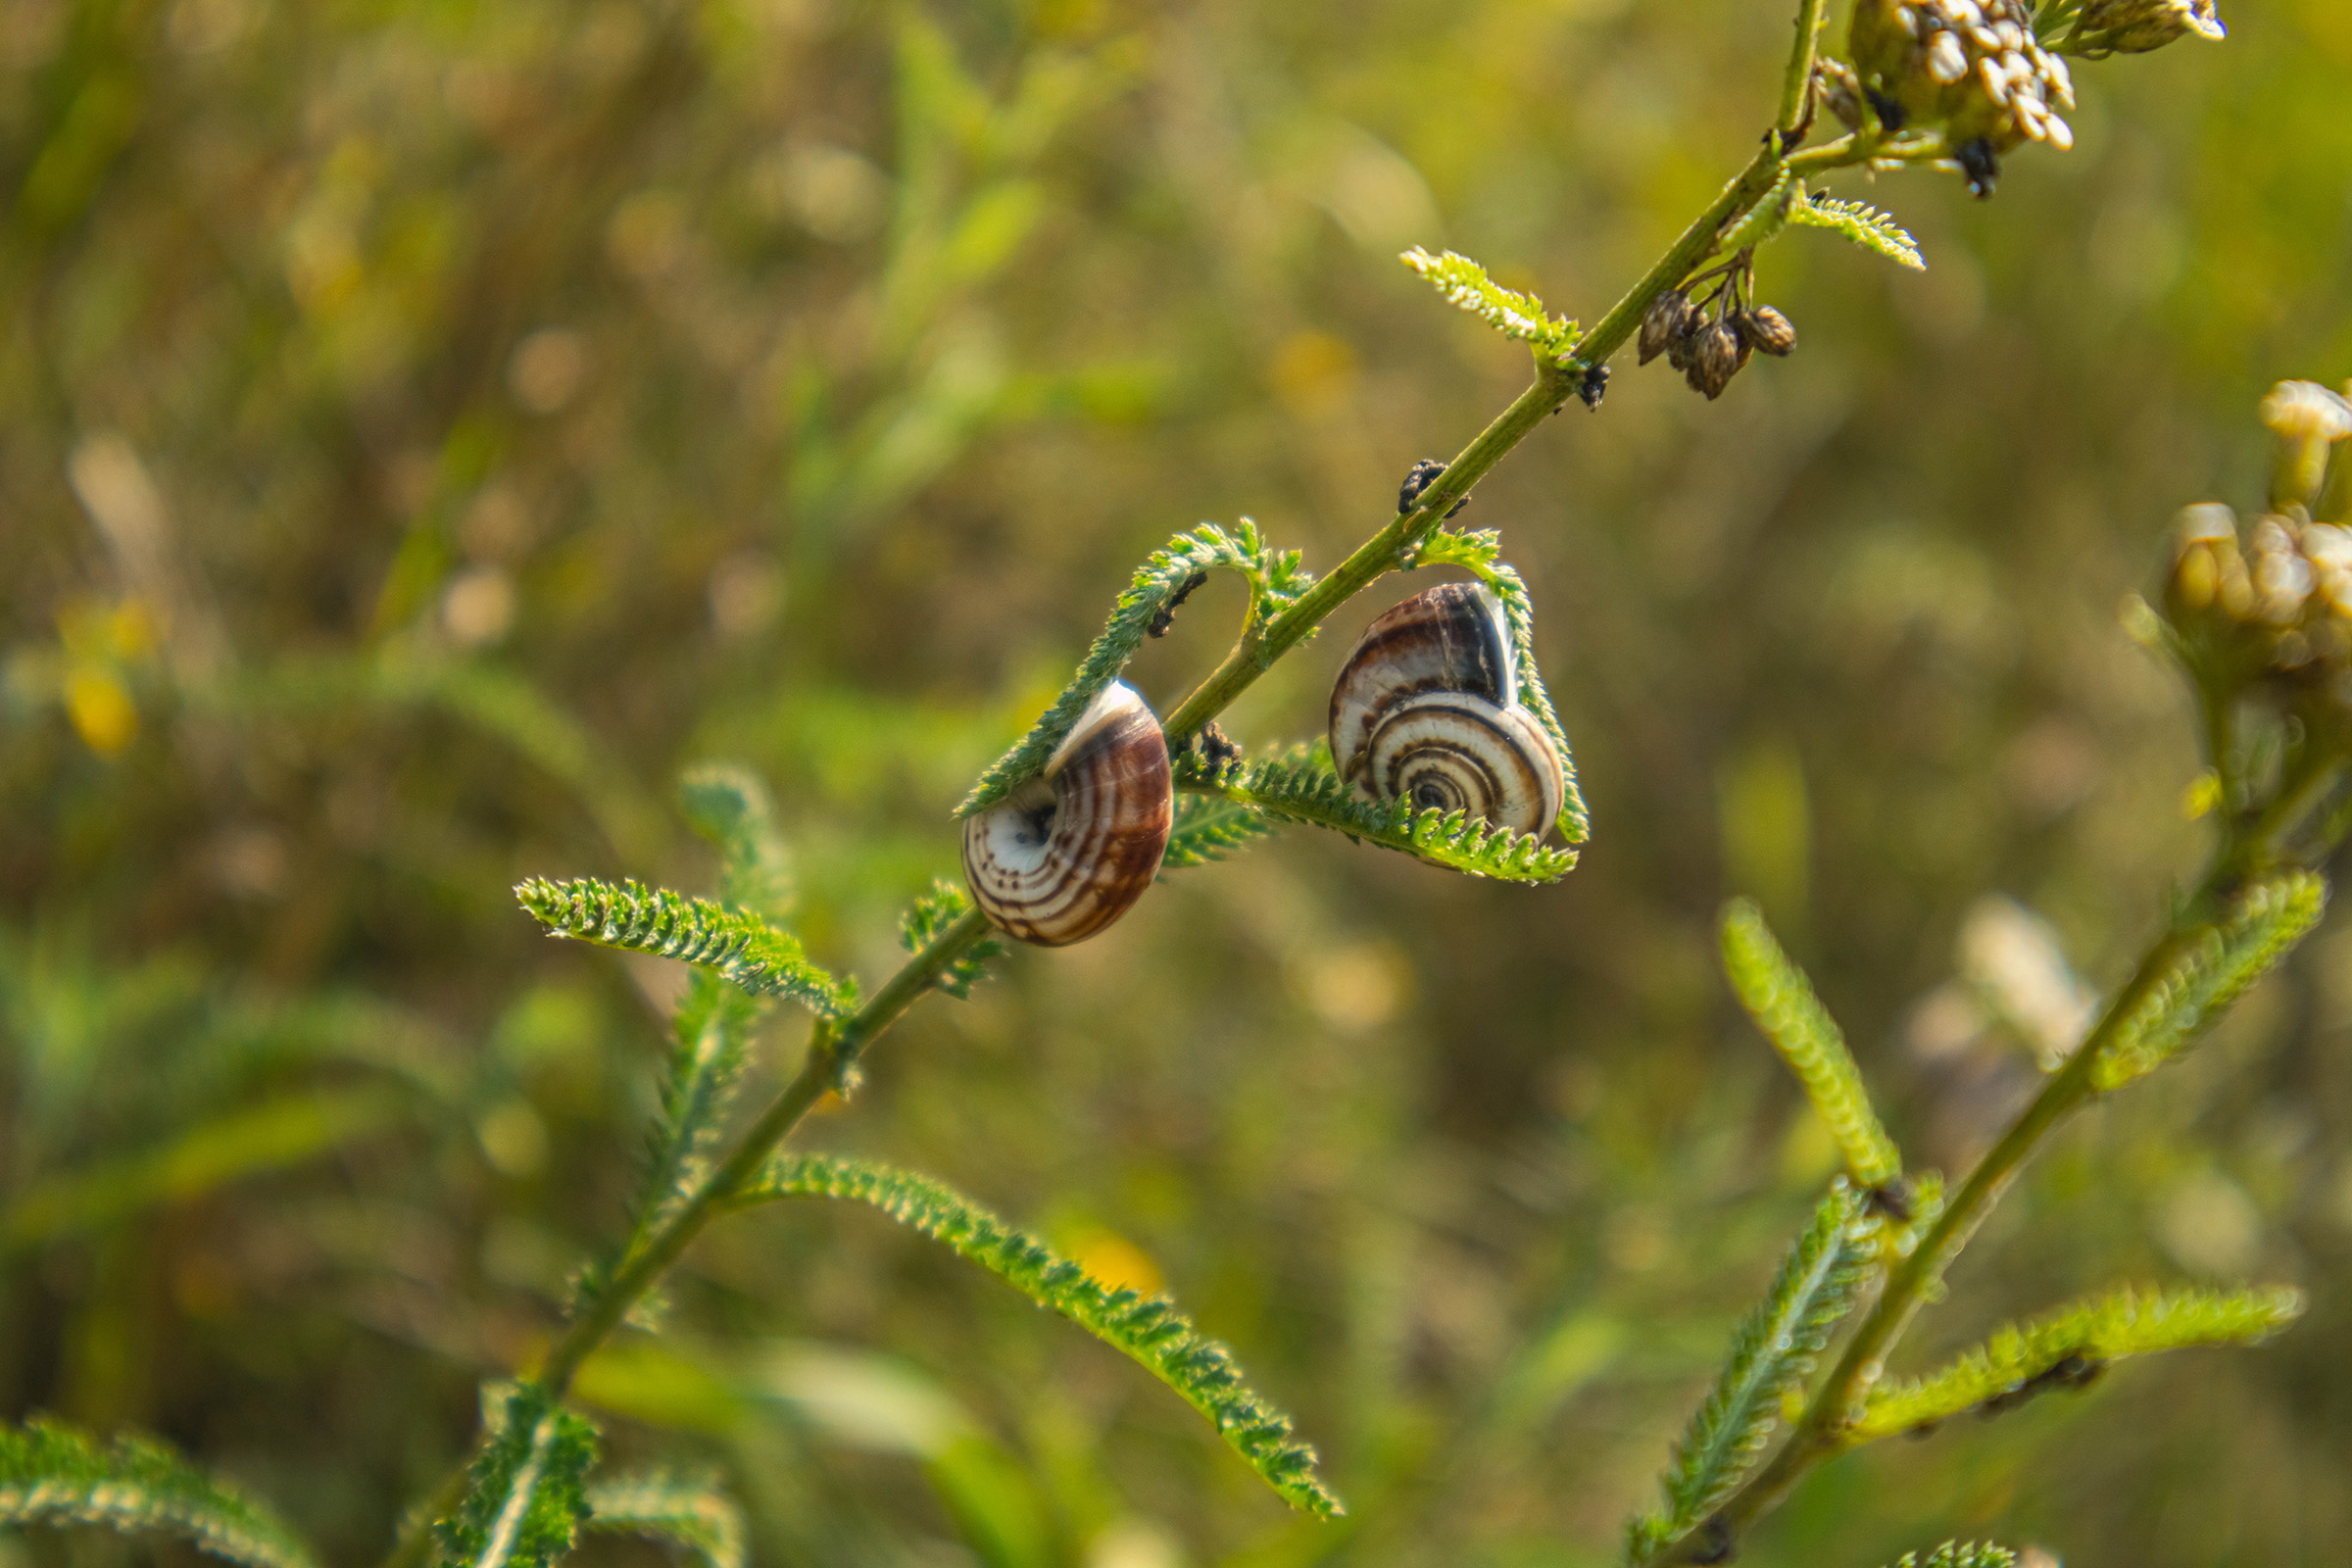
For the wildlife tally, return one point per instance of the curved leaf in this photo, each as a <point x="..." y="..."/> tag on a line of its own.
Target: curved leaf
<point x="1148" y="1329"/>
<point x="1303" y="787"/>
<point x="1276" y="579"/>
<point x="51" y="1473"/>
<point x="738" y="945"/>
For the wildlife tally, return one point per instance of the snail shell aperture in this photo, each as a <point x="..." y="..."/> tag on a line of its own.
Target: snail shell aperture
<point x="1427" y="709"/>
<point x="1066" y="853"/>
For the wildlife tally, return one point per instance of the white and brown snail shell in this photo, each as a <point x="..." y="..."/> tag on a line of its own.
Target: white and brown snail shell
<point x="1068" y="851"/>
<point x="1427" y="709"/>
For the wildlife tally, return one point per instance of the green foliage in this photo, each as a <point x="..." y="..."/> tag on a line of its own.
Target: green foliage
<point x="688" y="1513"/>
<point x="2262" y="926"/>
<point x="2070" y="1344"/>
<point x="932" y="914"/>
<point x="1148" y="1329"/>
<point x="1960" y="1555"/>
<point x="494" y="701"/>
<point x="739" y="946"/>
<point x="1466" y="284"/>
<point x="730" y="807"/>
<point x="278" y="1131"/>
<point x="1781" y="1000"/>
<point x="1862" y="223"/>
<point x="710" y="1039"/>
<point x="51" y="1473"/>
<point x="1767" y="217"/>
<point x="1210" y="827"/>
<point x="1772" y="1354"/>
<point x="1301" y="786"/>
<point x="1481" y="552"/>
<point x="526" y="1492"/>
<point x="1276" y="580"/>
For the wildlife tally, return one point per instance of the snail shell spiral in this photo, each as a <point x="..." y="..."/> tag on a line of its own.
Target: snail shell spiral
<point x="1427" y="709"/>
<point x="1067" y="852"/>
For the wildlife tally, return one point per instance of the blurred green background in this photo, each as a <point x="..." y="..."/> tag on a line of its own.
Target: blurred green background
<point x="425" y="428"/>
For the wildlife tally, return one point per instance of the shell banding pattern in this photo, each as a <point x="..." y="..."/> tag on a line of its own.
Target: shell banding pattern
<point x="1427" y="710"/>
<point x="1071" y="849"/>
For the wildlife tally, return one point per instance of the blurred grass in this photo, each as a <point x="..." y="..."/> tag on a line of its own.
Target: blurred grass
<point x="423" y="430"/>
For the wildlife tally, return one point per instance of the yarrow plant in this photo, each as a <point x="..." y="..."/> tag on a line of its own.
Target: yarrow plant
<point x="1079" y="818"/>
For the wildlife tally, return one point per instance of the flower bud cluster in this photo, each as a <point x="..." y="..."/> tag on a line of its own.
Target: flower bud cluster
<point x="1971" y="68"/>
<point x="2134" y="26"/>
<point x="1710" y="339"/>
<point x="2274" y="610"/>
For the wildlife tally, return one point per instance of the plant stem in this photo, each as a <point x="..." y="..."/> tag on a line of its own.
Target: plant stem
<point x="1260" y="646"/>
<point x="1800" y="77"/>
<point x="1555" y="382"/>
<point x="833" y="1051"/>
<point x="1822" y="1432"/>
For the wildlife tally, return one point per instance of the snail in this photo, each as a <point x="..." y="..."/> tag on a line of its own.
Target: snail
<point x="1066" y="853"/>
<point x="1427" y="709"/>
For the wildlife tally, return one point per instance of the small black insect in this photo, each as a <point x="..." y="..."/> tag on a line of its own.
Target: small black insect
<point x="1713" y="1543"/>
<point x="1594" y="385"/>
<point x="2074" y="1371"/>
<point x="1893" y="1201"/>
<point x="1424" y="475"/>
<point x="1892" y="114"/>
<point x="1978" y="161"/>
<point x="1216" y="747"/>
<point x="1165" y="615"/>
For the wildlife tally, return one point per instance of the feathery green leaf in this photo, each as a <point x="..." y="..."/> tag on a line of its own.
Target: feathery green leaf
<point x="1276" y="580"/>
<point x="933" y="913"/>
<point x="52" y="1474"/>
<point x="2069" y="1347"/>
<point x="526" y="1492"/>
<point x="1772" y="1354"/>
<point x="1778" y="997"/>
<point x="730" y="807"/>
<point x="1960" y="1555"/>
<point x="710" y="1040"/>
<point x="1481" y="552"/>
<point x="1862" y="223"/>
<point x="1209" y="827"/>
<point x="738" y="945"/>
<point x="2262" y="926"/>
<point x="1150" y="1330"/>
<point x="1466" y="284"/>
<point x="1301" y="786"/>
<point x="693" y="1514"/>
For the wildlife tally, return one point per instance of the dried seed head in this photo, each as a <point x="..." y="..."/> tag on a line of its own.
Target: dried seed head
<point x="1767" y="331"/>
<point x="1715" y="359"/>
<point x="1659" y="325"/>
<point x="1682" y="337"/>
<point x="2134" y="26"/>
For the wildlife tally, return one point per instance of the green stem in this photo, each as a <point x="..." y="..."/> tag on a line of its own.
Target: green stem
<point x="1822" y="1432"/>
<point x="1260" y="646"/>
<point x="1799" y="78"/>
<point x="833" y="1051"/>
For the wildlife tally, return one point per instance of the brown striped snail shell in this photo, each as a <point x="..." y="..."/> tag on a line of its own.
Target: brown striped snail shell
<point x="1068" y="851"/>
<point x="1427" y="709"/>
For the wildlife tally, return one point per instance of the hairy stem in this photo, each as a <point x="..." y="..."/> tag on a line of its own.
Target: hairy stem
<point x="1822" y="1432"/>
<point x="833" y="1049"/>
<point x="1798" y="82"/>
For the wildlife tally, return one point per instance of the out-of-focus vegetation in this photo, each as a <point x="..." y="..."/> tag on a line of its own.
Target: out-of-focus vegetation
<point x="425" y="430"/>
